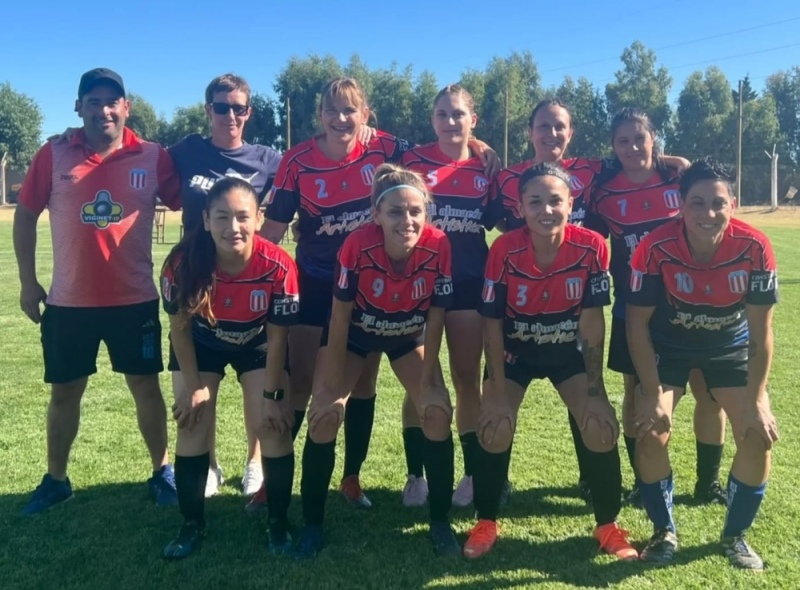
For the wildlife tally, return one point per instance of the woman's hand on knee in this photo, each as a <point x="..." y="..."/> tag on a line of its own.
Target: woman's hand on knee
<point x="758" y="417"/>
<point x="652" y="412"/>
<point x="327" y="408"/>
<point x="496" y="424"/>
<point x="276" y="417"/>
<point x="189" y="407"/>
<point x="599" y="423"/>
<point x="435" y="411"/>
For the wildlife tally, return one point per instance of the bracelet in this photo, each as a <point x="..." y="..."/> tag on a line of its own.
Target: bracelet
<point x="276" y="395"/>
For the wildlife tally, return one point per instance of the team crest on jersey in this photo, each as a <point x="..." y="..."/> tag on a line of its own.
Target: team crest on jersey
<point x="368" y="174"/>
<point x="418" y="290"/>
<point x="737" y="281"/>
<point x="101" y="212"/>
<point x="343" y="282"/>
<point x="228" y="302"/>
<point x="575" y="183"/>
<point x="672" y="199"/>
<point x="258" y="300"/>
<point x="636" y="281"/>
<point x="138" y="178"/>
<point x="488" y="291"/>
<point x="481" y="184"/>
<point x="574" y="288"/>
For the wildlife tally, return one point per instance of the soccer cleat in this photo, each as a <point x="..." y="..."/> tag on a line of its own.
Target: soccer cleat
<point x="415" y="492"/>
<point x="463" y="494"/>
<point x="253" y="478"/>
<point x="47" y="494"/>
<point x="635" y="498"/>
<point x="310" y="543"/>
<point x="481" y="539"/>
<point x="258" y="501"/>
<point x="162" y="487"/>
<point x="584" y="491"/>
<point x="505" y="495"/>
<point x="660" y="548"/>
<point x="614" y="541"/>
<point x="711" y="494"/>
<point x="189" y="538"/>
<point x="740" y="554"/>
<point x="214" y="481"/>
<point x="444" y="540"/>
<point x="279" y="541"/>
<point x="352" y="492"/>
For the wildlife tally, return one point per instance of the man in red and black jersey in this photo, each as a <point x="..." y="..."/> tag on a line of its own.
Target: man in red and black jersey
<point x="545" y="289"/>
<point x="702" y="291"/>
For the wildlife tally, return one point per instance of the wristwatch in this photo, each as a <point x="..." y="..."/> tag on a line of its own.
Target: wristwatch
<point x="276" y="395"/>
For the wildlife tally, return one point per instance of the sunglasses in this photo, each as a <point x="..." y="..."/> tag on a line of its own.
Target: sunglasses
<point x="223" y="108"/>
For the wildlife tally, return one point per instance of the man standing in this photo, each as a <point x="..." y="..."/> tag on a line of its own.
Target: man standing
<point x="99" y="184"/>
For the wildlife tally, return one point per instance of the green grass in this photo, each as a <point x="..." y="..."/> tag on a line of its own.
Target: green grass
<point x="109" y="536"/>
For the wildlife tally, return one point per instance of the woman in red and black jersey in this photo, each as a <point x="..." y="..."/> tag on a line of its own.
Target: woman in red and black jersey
<point x="230" y="295"/>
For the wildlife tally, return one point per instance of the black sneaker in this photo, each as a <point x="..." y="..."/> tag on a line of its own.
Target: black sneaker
<point x="660" y="548"/>
<point x="635" y="498"/>
<point x="444" y="540"/>
<point x="310" y="543"/>
<point x="585" y="492"/>
<point x="279" y="541"/>
<point x="712" y="494"/>
<point x="189" y="538"/>
<point x="740" y="554"/>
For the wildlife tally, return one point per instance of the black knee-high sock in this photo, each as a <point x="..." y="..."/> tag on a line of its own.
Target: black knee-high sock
<point x="278" y="479"/>
<point x="191" y="474"/>
<point x="508" y="463"/>
<point x="439" y="466"/>
<point x="605" y="481"/>
<point x="298" y="422"/>
<point x="359" y="416"/>
<point x="414" y="446"/>
<point x="318" y="462"/>
<point x="488" y="481"/>
<point x="469" y="443"/>
<point x="709" y="458"/>
<point x="580" y="447"/>
<point x="630" y="447"/>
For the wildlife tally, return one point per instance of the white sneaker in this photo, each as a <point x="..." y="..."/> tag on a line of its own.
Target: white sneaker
<point x="214" y="480"/>
<point x="253" y="478"/>
<point x="415" y="492"/>
<point x="462" y="497"/>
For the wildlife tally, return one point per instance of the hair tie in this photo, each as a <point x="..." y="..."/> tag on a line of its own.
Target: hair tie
<point x="397" y="186"/>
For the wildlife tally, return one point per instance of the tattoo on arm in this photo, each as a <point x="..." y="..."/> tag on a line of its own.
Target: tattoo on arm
<point x="593" y="359"/>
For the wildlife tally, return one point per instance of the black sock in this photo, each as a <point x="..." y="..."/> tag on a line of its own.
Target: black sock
<point x="318" y="462"/>
<point x="605" y="481"/>
<point x="414" y="446"/>
<point x="298" y="422"/>
<point x="278" y="479"/>
<point x="709" y="458"/>
<point x="469" y="444"/>
<point x="191" y="474"/>
<point x="359" y="416"/>
<point x="438" y="457"/>
<point x="580" y="447"/>
<point x="488" y="481"/>
<point x="630" y="447"/>
<point x="508" y="463"/>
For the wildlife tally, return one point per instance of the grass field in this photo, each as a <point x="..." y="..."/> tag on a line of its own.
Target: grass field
<point x="110" y="536"/>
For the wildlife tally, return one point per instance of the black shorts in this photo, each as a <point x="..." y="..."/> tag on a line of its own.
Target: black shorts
<point x="522" y="371"/>
<point x="393" y="347"/>
<point x="467" y="295"/>
<point x="316" y="300"/>
<point x="728" y="368"/>
<point x="71" y="338"/>
<point x="619" y="356"/>
<point x="210" y="360"/>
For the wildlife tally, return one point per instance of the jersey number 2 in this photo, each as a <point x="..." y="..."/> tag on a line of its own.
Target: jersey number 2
<point x="321" y="192"/>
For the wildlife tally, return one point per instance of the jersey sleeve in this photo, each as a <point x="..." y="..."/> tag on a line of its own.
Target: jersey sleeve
<point x="347" y="271"/>
<point x="285" y="303"/>
<point x="599" y="292"/>
<point x="646" y="280"/>
<point x="283" y="198"/>
<point x="394" y="147"/>
<point x="495" y="284"/>
<point x="169" y="181"/>
<point x="169" y="286"/>
<point x="593" y="220"/>
<point x="495" y="211"/>
<point x="443" y="285"/>
<point x="272" y="160"/>
<point x="763" y="289"/>
<point x="38" y="183"/>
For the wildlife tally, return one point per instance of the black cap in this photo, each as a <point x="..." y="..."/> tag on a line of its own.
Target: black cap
<point x="93" y="77"/>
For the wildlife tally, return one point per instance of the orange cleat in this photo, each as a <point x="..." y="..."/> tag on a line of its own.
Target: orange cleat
<point x="481" y="539"/>
<point x="614" y="541"/>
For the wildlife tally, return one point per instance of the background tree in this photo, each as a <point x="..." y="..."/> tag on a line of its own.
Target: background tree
<point x="262" y="127"/>
<point x="185" y="121"/>
<point x="20" y="127"/>
<point x="587" y="105"/>
<point x="143" y="119"/>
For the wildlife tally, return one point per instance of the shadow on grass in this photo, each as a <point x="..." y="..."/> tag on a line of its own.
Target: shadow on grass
<point x="110" y="536"/>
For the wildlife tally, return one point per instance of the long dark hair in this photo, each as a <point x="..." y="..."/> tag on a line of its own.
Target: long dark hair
<point x="194" y="258"/>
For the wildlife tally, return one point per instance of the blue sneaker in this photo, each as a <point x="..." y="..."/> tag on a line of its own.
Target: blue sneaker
<point x="162" y="487"/>
<point x="310" y="543"/>
<point x="279" y="540"/>
<point x="49" y="493"/>
<point x="188" y="540"/>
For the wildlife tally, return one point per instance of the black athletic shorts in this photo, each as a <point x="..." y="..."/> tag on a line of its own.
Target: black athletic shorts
<point x="71" y="338"/>
<point x="210" y="360"/>
<point x="619" y="356"/>
<point x="467" y="295"/>
<point x="725" y="368"/>
<point x="394" y="349"/>
<point x="522" y="371"/>
<point x="316" y="300"/>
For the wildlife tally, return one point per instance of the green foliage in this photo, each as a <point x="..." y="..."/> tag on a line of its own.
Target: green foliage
<point x="587" y="106"/>
<point x="143" y="119"/>
<point x="185" y="121"/>
<point x="20" y="126"/>
<point x="262" y="127"/>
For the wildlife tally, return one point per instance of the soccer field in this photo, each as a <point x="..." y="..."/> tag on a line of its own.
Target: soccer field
<point x="110" y="536"/>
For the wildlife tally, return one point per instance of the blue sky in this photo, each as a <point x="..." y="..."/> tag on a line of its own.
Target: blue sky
<point x="168" y="50"/>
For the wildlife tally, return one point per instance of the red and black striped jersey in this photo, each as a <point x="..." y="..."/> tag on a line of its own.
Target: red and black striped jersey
<point x="265" y="291"/>
<point x="331" y="198"/>
<point x="464" y="203"/>
<point x="582" y="171"/>
<point x="540" y="309"/>
<point x="389" y="307"/>
<point x="701" y="306"/>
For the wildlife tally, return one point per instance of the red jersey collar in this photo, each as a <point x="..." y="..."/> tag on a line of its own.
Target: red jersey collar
<point x="129" y="140"/>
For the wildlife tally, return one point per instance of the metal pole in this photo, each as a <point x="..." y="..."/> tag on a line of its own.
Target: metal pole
<point x="3" y="161"/>
<point x="774" y="195"/>
<point x="505" y="135"/>
<point x="288" y="123"/>
<point x="739" y="148"/>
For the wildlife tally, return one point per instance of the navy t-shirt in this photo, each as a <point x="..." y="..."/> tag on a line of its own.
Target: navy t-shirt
<point x="200" y="164"/>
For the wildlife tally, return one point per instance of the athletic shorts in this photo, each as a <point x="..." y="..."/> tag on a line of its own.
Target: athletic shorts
<point x="316" y="300"/>
<point x="467" y="295"/>
<point x="393" y="348"/>
<point x="522" y="371"/>
<point x="727" y="368"/>
<point x="210" y="360"/>
<point x="619" y="356"/>
<point x="71" y="338"/>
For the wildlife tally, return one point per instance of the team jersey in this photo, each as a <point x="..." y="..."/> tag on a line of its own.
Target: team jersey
<point x="101" y="216"/>
<point x="464" y="203"/>
<point x="201" y="164"/>
<point x="390" y="308"/>
<point x="331" y="198"/>
<point x="627" y="212"/>
<point x="540" y="309"/>
<point x="701" y="306"/>
<point x="582" y="171"/>
<point x="265" y="291"/>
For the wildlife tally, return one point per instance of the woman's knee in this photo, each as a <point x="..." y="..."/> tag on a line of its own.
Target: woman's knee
<point x="598" y="438"/>
<point x="436" y="421"/>
<point x="325" y="429"/>
<point x="275" y="443"/>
